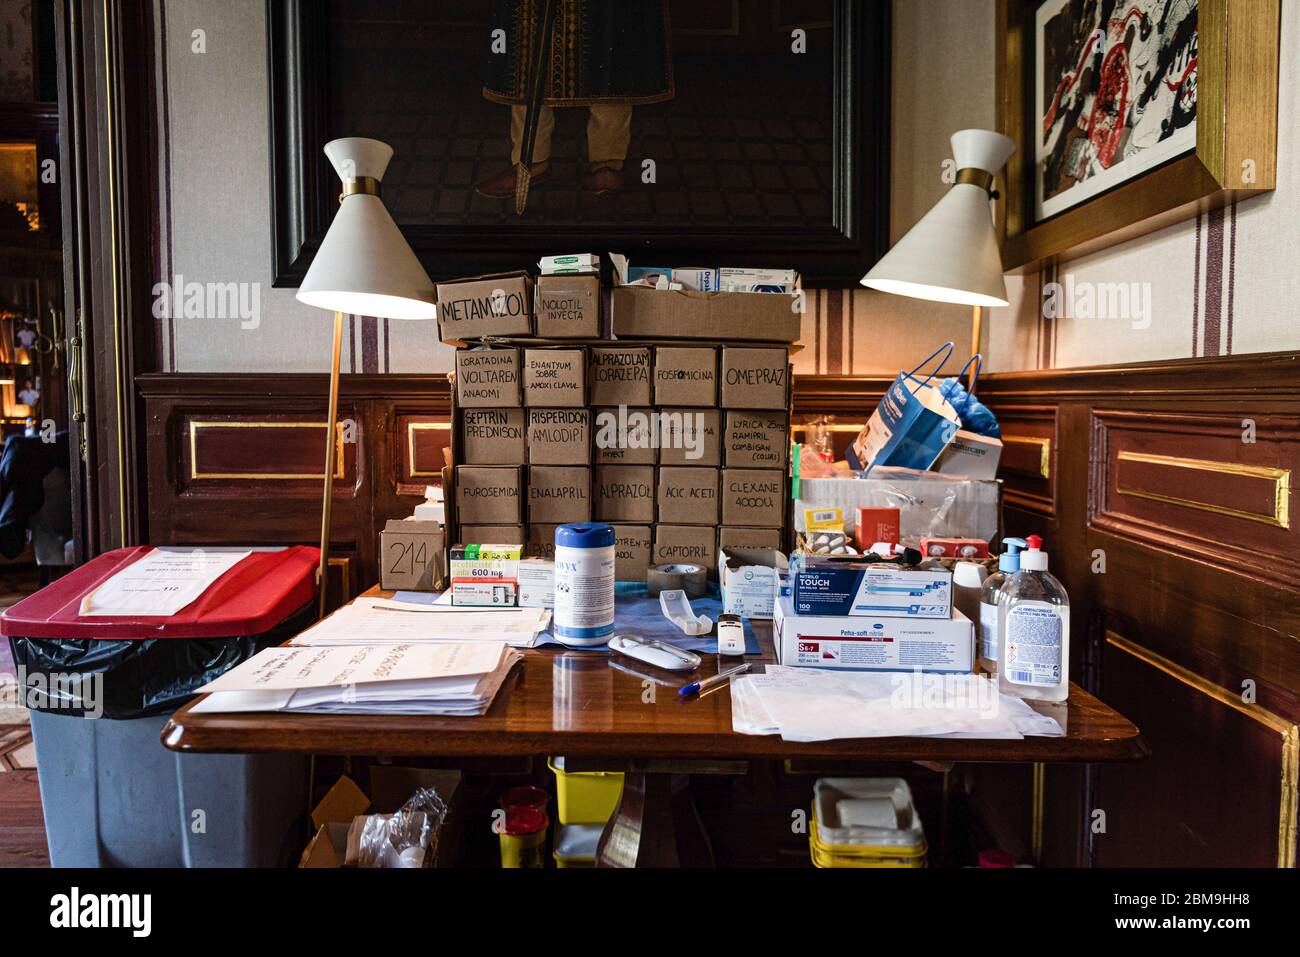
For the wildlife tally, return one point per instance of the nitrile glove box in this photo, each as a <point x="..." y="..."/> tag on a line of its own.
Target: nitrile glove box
<point x="864" y="643"/>
<point x="829" y="587"/>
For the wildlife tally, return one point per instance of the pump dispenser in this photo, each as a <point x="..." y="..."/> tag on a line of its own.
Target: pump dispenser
<point x="1034" y="630"/>
<point x="1008" y="565"/>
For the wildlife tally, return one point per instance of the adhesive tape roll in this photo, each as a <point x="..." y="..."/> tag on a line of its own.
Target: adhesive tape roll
<point x="692" y="579"/>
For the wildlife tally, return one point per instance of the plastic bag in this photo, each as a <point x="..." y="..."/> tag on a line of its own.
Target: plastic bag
<point x="975" y="415"/>
<point x="407" y="839"/>
<point x="140" y="678"/>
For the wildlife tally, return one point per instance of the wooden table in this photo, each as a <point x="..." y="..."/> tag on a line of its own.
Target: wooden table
<point x="591" y="705"/>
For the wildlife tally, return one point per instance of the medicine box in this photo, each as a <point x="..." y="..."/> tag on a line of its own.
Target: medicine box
<point x="536" y="580"/>
<point x="829" y="587"/>
<point x="747" y="578"/>
<point x="865" y="643"/>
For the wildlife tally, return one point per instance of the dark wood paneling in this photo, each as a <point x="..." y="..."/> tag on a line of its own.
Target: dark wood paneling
<point x="1215" y="797"/>
<point x="238" y="459"/>
<point x="1187" y="482"/>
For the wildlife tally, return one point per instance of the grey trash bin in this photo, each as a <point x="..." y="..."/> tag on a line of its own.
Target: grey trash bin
<point x="113" y="796"/>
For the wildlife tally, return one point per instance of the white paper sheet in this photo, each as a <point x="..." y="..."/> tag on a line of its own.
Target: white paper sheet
<point x="374" y="620"/>
<point x="293" y="668"/>
<point x="161" y="583"/>
<point x="804" y="704"/>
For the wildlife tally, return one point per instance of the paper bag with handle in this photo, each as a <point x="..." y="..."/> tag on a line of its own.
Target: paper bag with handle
<point x="913" y="423"/>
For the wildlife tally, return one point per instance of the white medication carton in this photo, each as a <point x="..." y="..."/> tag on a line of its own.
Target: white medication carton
<point x="824" y="586"/>
<point x="536" y="580"/>
<point x="864" y="643"/>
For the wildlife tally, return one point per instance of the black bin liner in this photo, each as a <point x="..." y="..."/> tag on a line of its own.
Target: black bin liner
<point x="140" y="677"/>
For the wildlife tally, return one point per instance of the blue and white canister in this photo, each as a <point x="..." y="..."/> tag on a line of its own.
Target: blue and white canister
<point x="584" y="583"/>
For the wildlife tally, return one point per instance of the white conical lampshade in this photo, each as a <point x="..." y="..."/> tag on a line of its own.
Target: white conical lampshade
<point x="952" y="255"/>
<point x="364" y="265"/>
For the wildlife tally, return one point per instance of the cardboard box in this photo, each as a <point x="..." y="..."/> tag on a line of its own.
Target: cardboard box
<point x="412" y="555"/>
<point x="555" y="378"/>
<point x="688" y="496"/>
<point x="495" y="305"/>
<point x="685" y="543"/>
<point x="639" y="312"/>
<point x="619" y="376"/>
<point x="492" y="437"/>
<point x="748" y="539"/>
<point x="568" y="307"/>
<point x="487" y="378"/>
<point x="690" y="437"/>
<point x="632" y="545"/>
<point x="748" y="580"/>
<point x="625" y="493"/>
<point x="492" y="534"/>
<point x="625" y="436"/>
<point x="873" y="644"/>
<point x="686" y="376"/>
<point x="970" y="454"/>
<point x="824" y="586"/>
<point x="756" y="440"/>
<point x="488" y="593"/>
<point x="559" y="436"/>
<point x="558" y="494"/>
<point x="755" y="378"/>
<point x="541" y="542"/>
<point x="489" y="495"/>
<point x="753" y="497"/>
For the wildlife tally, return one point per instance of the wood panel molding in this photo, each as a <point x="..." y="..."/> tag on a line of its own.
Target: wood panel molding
<point x="1286" y="732"/>
<point x="1189" y="483"/>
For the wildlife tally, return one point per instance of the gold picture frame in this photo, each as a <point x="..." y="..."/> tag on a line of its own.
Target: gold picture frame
<point x="1236" y="137"/>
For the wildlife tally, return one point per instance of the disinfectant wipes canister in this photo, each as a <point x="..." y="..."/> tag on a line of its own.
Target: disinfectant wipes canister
<point x="584" y="583"/>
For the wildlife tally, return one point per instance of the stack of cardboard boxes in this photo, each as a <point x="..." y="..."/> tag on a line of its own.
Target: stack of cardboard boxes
<point x="681" y="445"/>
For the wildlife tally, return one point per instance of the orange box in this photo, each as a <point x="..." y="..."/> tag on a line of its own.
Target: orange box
<point x="876" y="525"/>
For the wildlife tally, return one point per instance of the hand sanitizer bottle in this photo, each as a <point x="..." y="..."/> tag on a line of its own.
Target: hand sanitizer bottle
<point x="990" y="596"/>
<point x="1034" y="631"/>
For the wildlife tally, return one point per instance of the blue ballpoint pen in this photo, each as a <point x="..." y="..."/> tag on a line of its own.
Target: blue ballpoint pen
<point x="704" y="684"/>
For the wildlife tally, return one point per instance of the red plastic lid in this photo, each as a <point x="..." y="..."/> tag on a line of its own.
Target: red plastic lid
<point x="252" y="598"/>
<point x="996" y="858"/>
<point x="525" y="820"/>
<point x="524" y="796"/>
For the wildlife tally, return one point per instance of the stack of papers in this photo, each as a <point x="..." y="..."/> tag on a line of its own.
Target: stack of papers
<point x="804" y="704"/>
<point x="369" y="621"/>
<point x="433" y="678"/>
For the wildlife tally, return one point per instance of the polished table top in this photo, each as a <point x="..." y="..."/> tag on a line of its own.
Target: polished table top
<point x="591" y="704"/>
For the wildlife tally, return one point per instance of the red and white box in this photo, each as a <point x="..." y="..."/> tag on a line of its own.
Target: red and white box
<point x="864" y="643"/>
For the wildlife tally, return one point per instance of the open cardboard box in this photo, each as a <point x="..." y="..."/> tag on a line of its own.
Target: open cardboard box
<point x="390" y="788"/>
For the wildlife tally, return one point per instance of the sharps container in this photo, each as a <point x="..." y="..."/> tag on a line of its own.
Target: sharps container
<point x="100" y="690"/>
<point x="584" y="583"/>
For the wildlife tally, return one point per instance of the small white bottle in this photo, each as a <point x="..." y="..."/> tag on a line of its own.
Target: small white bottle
<point x="1034" y="631"/>
<point x="990" y="596"/>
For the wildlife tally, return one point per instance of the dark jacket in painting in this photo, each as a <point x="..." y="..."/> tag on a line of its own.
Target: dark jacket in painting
<point x="600" y="50"/>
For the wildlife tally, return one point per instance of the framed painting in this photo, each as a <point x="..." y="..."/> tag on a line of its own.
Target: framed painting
<point x="1129" y="115"/>
<point x="675" y="131"/>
